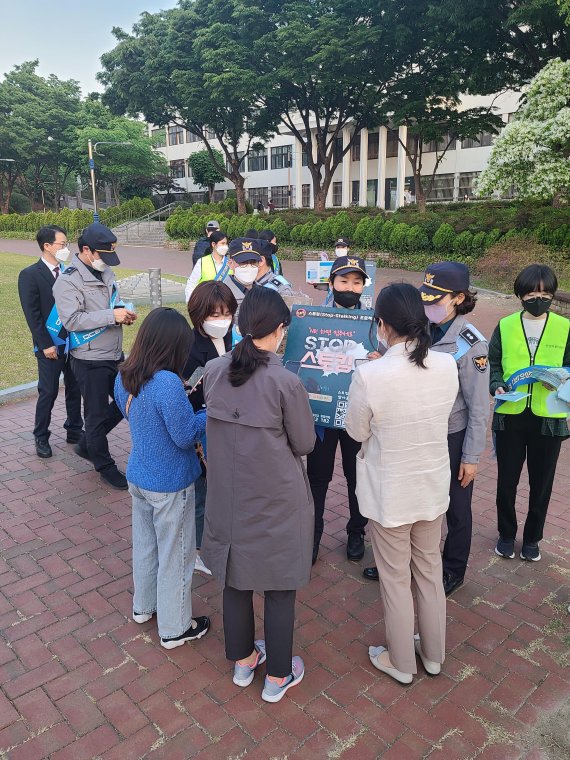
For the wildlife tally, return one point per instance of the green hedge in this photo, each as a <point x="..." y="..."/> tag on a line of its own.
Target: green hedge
<point x="73" y="220"/>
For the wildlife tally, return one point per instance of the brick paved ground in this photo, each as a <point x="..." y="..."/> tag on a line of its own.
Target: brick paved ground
<point x="79" y="679"/>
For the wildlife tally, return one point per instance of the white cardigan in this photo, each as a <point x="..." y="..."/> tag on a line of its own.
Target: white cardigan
<point x="400" y="413"/>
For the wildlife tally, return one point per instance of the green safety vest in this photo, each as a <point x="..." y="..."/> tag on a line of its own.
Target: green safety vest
<point x="208" y="269"/>
<point x="516" y="356"/>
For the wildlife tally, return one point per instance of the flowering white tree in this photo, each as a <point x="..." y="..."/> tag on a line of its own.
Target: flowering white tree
<point x="531" y="156"/>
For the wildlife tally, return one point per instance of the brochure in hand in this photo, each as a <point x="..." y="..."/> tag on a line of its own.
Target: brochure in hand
<point x="558" y="401"/>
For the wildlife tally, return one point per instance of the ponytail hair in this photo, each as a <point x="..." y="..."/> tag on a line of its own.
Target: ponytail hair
<point x="400" y="307"/>
<point x="261" y="312"/>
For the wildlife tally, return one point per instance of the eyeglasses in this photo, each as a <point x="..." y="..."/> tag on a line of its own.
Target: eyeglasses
<point x="252" y="263"/>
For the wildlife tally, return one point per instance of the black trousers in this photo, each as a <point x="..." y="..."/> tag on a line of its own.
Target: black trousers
<point x="278" y="623"/>
<point x="521" y="439"/>
<point x="49" y="371"/>
<point x="320" y="468"/>
<point x="459" y="518"/>
<point x="96" y="380"/>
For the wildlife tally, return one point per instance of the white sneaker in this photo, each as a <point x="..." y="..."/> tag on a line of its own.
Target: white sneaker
<point x="200" y="567"/>
<point x="142" y="617"/>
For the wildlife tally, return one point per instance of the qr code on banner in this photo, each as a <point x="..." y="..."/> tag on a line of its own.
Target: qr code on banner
<point x="340" y="413"/>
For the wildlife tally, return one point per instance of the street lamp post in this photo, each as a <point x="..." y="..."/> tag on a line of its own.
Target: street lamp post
<point x="92" y="148"/>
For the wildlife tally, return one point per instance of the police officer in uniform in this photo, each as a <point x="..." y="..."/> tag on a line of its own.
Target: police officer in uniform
<point x="89" y="307"/>
<point x="266" y="276"/>
<point x="447" y="299"/>
<point x="245" y="260"/>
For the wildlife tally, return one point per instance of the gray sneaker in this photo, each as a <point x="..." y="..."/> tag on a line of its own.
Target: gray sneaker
<point x="273" y="692"/>
<point x="243" y="674"/>
<point x="505" y="548"/>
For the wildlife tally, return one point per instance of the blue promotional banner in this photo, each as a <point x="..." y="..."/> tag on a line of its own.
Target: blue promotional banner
<point x="324" y="347"/>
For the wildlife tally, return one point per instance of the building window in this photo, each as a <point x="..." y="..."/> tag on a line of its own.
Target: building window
<point x="483" y="140"/>
<point x="158" y="137"/>
<point x="442" y="189"/>
<point x="191" y="137"/>
<point x="373" y="143"/>
<point x="218" y="196"/>
<point x="466" y="184"/>
<point x="392" y="143"/>
<point x="241" y="154"/>
<point x="257" y="194"/>
<point x="178" y="169"/>
<point x="304" y="159"/>
<point x="306" y="196"/>
<point x="175" y="135"/>
<point x="280" y="196"/>
<point x="355" y="195"/>
<point x="257" y="160"/>
<point x="337" y="149"/>
<point x="337" y="194"/>
<point x="438" y="146"/>
<point x="281" y="157"/>
<point x="198" y="197"/>
<point x="210" y="134"/>
<point x="355" y="148"/>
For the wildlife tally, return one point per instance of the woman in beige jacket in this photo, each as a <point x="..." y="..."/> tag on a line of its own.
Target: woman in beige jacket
<point x="398" y="407"/>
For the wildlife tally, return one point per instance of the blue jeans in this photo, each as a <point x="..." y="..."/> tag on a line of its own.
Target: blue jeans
<point x="200" y="500"/>
<point x="164" y="552"/>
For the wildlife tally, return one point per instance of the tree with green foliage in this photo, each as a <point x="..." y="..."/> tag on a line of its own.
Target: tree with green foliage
<point x="532" y="154"/>
<point x="168" y="70"/>
<point x="206" y="169"/>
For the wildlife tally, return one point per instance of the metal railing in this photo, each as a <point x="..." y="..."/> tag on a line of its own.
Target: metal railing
<point x="148" y="228"/>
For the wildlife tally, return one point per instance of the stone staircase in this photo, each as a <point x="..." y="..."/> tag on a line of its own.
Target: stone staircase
<point x="144" y="232"/>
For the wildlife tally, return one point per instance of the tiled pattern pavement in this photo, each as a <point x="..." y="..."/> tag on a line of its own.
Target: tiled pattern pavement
<point x="79" y="679"/>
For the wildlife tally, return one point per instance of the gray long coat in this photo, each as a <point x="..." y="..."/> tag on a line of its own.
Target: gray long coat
<point x="259" y="521"/>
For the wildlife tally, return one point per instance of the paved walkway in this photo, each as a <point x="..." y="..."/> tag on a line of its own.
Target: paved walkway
<point x="79" y="679"/>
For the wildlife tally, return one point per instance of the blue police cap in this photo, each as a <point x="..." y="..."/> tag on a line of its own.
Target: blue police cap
<point x="443" y="278"/>
<point x="101" y="239"/>
<point x="347" y="264"/>
<point x="245" y="249"/>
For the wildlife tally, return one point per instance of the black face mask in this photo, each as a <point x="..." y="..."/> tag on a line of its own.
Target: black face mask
<point x="274" y="247"/>
<point x="346" y="298"/>
<point x="537" y="306"/>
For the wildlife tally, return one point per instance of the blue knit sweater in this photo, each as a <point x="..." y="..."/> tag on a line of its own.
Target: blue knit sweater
<point x="164" y="429"/>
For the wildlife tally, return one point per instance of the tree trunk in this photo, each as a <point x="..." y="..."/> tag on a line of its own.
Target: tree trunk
<point x="239" y="182"/>
<point x="8" y="196"/>
<point x="559" y="198"/>
<point x="419" y="192"/>
<point x="211" y="193"/>
<point x="320" y="198"/>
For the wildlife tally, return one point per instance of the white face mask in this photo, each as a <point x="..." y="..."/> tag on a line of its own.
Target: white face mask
<point x="216" y="328"/>
<point x="341" y="252"/>
<point x="98" y="264"/>
<point x="246" y="275"/>
<point x="382" y="342"/>
<point x="221" y="249"/>
<point x="63" y="255"/>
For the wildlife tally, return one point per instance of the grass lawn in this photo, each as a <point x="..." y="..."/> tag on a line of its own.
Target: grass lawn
<point x="19" y="364"/>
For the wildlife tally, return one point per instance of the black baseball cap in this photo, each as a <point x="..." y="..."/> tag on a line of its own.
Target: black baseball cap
<point x="245" y="249"/>
<point x="342" y="243"/>
<point x="101" y="239"/>
<point x="443" y="278"/>
<point x="347" y="264"/>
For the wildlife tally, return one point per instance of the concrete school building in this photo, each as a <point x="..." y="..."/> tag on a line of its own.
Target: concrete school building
<point x="375" y="172"/>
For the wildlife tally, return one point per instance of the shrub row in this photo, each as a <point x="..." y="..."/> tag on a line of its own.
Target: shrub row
<point x="74" y="220"/>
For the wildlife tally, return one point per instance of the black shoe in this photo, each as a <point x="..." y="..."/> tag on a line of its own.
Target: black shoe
<point x="73" y="437"/>
<point x="355" y="546"/>
<point x="371" y="573"/>
<point x="200" y="627"/>
<point x="43" y="449"/>
<point x="81" y="451"/>
<point x="114" y="478"/>
<point x="451" y="582"/>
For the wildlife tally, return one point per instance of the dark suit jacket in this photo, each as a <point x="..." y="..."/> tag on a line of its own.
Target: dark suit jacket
<point x="35" y="285"/>
<point x="202" y="351"/>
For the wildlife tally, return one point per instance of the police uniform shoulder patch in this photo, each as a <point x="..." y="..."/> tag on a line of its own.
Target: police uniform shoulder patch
<point x="468" y="334"/>
<point x="69" y="270"/>
<point x="481" y="362"/>
<point x="276" y="282"/>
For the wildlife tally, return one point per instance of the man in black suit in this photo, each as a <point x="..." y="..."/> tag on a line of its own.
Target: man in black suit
<point x="35" y="285"/>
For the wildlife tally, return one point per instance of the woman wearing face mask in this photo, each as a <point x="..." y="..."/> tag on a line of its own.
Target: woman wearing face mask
<point x="212" y="266"/>
<point x="342" y="247"/>
<point x="211" y="309"/>
<point x="259" y="516"/>
<point x="403" y="477"/>
<point x="447" y="300"/>
<point x="347" y="279"/>
<point x="526" y="429"/>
